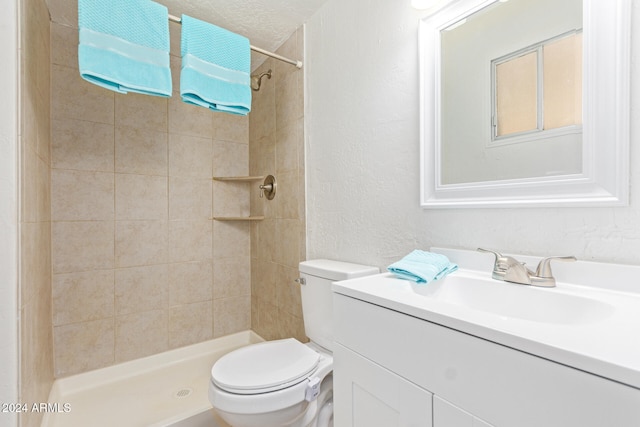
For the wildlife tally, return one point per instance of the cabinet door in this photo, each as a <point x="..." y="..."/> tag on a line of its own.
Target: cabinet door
<point x="368" y="395"/>
<point x="447" y="415"/>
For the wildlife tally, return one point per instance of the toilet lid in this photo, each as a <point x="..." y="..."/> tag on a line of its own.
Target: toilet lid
<point x="263" y="367"/>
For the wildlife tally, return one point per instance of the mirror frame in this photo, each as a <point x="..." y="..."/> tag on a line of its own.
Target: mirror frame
<point x="604" y="180"/>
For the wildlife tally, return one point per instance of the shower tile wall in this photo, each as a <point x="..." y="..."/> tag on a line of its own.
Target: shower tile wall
<point x="278" y="243"/>
<point x="138" y="265"/>
<point x="36" y="355"/>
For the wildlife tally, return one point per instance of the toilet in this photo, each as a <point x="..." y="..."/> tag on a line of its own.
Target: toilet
<point x="285" y="382"/>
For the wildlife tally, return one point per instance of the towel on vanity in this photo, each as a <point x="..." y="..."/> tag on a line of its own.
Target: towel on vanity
<point x="124" y="45"/>
<point x="216" y="67"/>
<point x="422" y="267"/>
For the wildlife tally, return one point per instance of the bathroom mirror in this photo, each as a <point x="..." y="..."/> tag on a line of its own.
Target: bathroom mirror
<point x="525" y="103"/>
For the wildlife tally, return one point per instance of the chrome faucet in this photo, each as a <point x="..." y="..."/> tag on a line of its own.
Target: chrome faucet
<point x="510" y="269"/>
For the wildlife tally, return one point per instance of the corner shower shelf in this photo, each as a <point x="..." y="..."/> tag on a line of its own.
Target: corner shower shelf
<point x="238" y="179"/>
<point x="239" y="218"/>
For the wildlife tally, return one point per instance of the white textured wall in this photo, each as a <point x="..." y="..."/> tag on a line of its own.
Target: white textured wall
<point x="363" y="155"/>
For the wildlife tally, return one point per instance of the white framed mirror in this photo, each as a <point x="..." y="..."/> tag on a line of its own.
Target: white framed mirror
<point x="579" y="158"/>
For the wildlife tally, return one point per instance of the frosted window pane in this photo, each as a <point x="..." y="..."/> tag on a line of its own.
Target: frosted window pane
<point x="516" y="94"/>
<point x="563" y="82"/>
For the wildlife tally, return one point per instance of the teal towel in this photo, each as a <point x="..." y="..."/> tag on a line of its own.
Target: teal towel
<point x="124" y="45"/>
<point x="216" y="67"/>
<point x="422" y="267"/>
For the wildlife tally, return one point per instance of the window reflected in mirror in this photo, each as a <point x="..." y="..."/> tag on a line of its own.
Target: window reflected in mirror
<point x="538" y="88"/>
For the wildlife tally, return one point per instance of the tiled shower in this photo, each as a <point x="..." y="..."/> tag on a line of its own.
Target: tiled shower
<point x="120" y="257"/>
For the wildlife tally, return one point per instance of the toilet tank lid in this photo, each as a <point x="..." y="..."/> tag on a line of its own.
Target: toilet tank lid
<point x="336" y="270"/>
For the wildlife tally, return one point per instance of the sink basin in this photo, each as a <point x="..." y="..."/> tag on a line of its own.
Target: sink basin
<point x="590" y="320"/>
<point x="514" y="301"/>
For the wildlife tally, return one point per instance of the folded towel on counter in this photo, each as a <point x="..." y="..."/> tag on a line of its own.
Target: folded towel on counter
<point x="422" y="267"/>
<point x="216" y="67"/>
<point x="124" y="45"/>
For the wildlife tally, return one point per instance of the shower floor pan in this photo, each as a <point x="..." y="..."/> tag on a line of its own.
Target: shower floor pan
<point x="167" y="389"/>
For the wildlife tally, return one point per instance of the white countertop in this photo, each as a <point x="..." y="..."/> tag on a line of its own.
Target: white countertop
<point x="602" y="338"/>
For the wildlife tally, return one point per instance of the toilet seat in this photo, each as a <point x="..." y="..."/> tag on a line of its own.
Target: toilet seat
<point x="266" y="367"/>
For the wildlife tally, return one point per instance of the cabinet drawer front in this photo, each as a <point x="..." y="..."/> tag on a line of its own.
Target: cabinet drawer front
<point x="500" y="385"/>
<point x="372" y="396"/>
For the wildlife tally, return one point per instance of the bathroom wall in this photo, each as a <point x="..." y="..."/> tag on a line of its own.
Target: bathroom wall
<point x="139" y="266"/>
<point x="276" y="147"/>
<point x="362" y="129"/>
<point x="36" y="354"/>
<point x="9" y="226"/>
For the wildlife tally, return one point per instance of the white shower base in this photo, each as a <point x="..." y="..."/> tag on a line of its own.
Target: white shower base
<point x="166" y="389"/>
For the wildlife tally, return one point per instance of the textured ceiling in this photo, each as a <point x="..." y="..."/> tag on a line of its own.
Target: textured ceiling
<point x="267" y="23"/>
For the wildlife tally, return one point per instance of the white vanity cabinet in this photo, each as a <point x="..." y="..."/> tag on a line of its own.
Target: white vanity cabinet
<point x="372" y="396"/>
<point x="392" y="369"/>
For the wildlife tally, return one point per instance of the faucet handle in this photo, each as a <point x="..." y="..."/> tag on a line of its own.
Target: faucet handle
<point x="544" y="267"/>
<point x="501" y="264"/>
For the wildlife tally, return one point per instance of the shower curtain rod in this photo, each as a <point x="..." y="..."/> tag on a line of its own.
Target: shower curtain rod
<point x="253" y="48"/>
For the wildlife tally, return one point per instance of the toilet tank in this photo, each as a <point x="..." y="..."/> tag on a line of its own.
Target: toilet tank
<point x="317" y="298"/>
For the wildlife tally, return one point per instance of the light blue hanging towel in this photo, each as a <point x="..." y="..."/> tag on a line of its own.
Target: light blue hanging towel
<point x="216" y="67"/>
<point x="422" y="267"/>
<point x="124" y="45"/>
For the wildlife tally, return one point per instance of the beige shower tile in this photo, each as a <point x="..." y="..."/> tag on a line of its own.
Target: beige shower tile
<point x="141" y="197"/>
<point x="141" y="111"/>
<point x="265" y="161"/>
<point x="187" y="119"/>
<point x="175" y="38"/>
<point x="230" y="128"/>
<point x="64" y="45"/>
<point x="288" y="242"/>
<point x="190" y="198"/>
<point x="74" y="98"/>
<point x="176" y="64"/>
<point x="29" y="183"/>
<point x="80" y="297"/>
<point x="232" y="277"/>
<point x="190" y="282"/>
<point x="289" y="140"/>
<point x="267" y="240"/>
<point x="64" y="12"/>
<point x="190" y="241"/>
<point x="81" y="347"/>
<point x="44" y="191"/>
<point x="267" y="320"/>
<point x="263" y="112"/>
<point x="231" y="198"/>
<point x="82" y="145"/>
<point x="263" y="281"/>
<point x="141" y="243"/>
<point x="140" y="151"/>
<point x="288" y="290"/>
<point x="35" y="250"/>
<point x="231" y="239"/>
<point x="141" y="334"/>
<point x="291" y="326"/>
<point x="36" y="357"/>
<point x="82" y="245"/>
<point x="190" y="156"/>
<point x="289" y="98"/>
<point x="286" y="201"/>
<point x="81" y="195"/>
<point x="230" y="159"/>
<point x="43" y="126"/>
<point x="140" y="289"/>
<point x="231" y="315"/>
<point x="189" y="324"/>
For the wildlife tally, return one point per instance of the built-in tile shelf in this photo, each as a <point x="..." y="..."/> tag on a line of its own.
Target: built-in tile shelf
<point x="238" y="179"/>
<point x="239" y="218"/>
